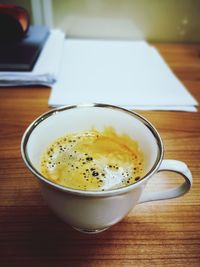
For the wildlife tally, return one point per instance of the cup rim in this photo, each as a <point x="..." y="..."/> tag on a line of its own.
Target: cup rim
<point x="110" y="192"/>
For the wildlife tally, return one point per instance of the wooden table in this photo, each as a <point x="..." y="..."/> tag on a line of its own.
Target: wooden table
<point x="163" y="233"/>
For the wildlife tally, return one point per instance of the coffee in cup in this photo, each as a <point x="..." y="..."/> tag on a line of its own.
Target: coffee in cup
<point x="93" y="160"/>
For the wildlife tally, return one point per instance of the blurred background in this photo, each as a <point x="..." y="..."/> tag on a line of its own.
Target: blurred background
<point x="153" y="20"/>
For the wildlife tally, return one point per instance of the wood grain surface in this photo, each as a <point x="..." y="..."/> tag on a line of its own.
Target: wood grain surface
<point x="163" y="233"/>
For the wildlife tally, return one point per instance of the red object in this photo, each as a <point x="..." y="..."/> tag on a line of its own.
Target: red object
<point x="14" y="22"/>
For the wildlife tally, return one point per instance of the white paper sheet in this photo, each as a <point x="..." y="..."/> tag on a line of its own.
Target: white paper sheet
<point x="46" y="69"/>
<point x="126" y="73"/>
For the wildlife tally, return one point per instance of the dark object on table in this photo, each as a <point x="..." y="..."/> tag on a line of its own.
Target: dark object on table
<point x="14" y="22"/>
<point x="21" y="55"/>
<point x="20" y="45"/>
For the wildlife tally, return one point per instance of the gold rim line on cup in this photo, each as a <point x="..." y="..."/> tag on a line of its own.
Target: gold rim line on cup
<point x="88" y="193"/>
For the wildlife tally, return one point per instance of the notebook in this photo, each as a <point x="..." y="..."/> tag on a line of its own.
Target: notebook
<point x="22" y="55"/>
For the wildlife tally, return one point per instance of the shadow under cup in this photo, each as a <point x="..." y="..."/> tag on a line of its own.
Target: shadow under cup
<point x="73" y="119"/>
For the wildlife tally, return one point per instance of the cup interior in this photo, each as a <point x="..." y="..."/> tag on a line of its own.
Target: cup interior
<point x="72" y="119"/>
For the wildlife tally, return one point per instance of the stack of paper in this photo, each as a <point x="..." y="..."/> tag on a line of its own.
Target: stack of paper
<point x="46" y="69"/>
<point x="131" y="74"/>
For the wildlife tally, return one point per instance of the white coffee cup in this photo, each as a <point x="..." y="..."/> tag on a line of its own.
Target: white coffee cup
<point x="95" y="211"/>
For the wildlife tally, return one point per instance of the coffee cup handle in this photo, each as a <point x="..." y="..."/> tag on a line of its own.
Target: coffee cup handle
<point x="174" y="166"/>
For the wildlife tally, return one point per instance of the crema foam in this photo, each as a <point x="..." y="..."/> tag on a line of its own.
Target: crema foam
<point x="93" y="160"/>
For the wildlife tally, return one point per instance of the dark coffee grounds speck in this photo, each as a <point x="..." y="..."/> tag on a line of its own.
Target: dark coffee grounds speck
<point x="137" y="178"/>
<point x="89" y="158"/>
<point x="94" y="173"/>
